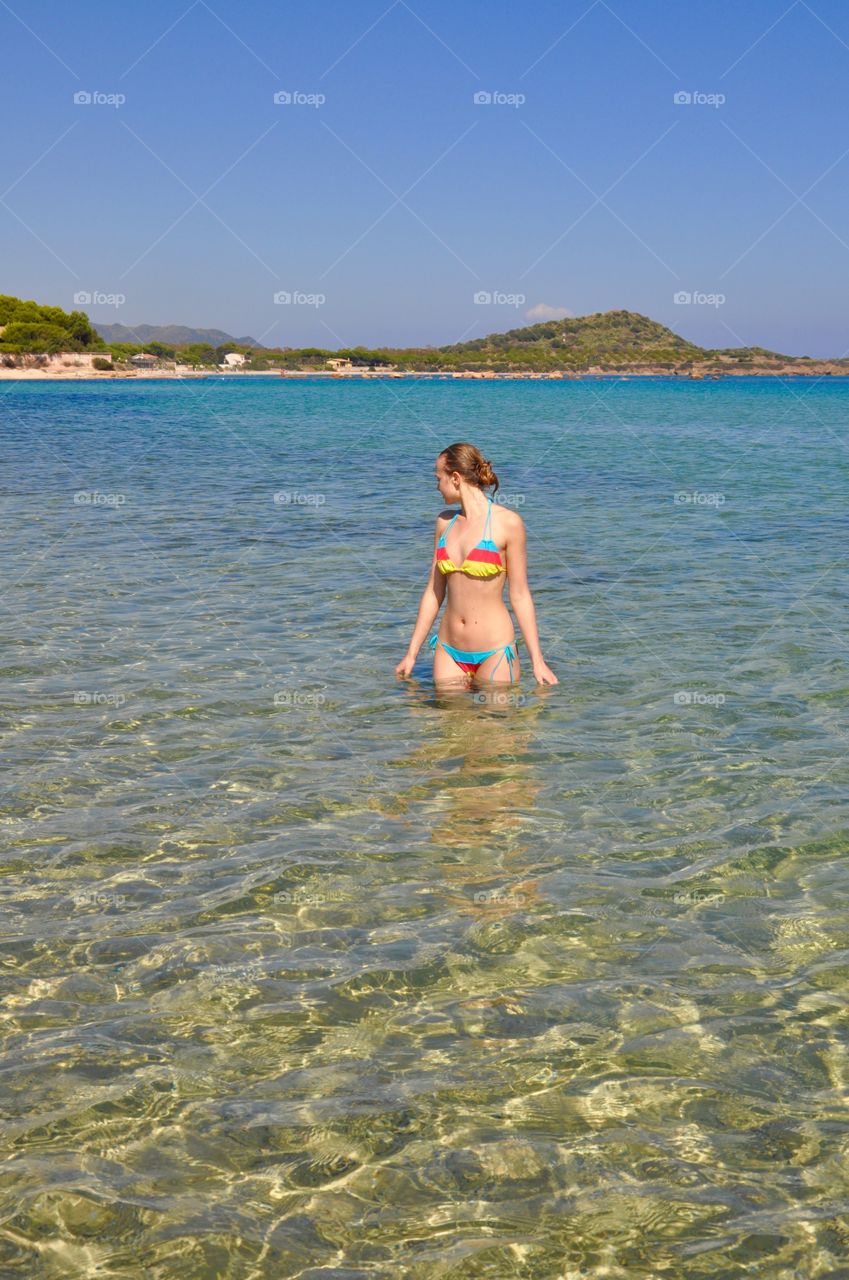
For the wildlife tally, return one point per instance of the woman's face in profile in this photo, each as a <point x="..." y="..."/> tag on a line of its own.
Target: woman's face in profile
<point x="443" y="483"/>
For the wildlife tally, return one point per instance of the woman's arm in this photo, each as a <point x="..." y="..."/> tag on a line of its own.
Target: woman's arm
<point x="432" y="597"/>
<point x="522" y="601"/>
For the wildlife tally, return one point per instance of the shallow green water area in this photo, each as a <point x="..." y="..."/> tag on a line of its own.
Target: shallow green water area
<point x="311" y="972"/>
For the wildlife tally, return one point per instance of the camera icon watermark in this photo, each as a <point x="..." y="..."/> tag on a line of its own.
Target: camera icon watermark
<point x="496" y="298"/>
<point x="299" y="897"/>
<point x="696" y="498"/>
<point x="693" y="98"/>
<point x="296" y="98"/>
<point x="685" y="298"/>
<point x="495" y="98"/>
<point x="694" y="698"/>
<point x="292" y="498"/>
<point x="295" y="298"/>
<point x="94" y="98"/>
<point x="509" y="499"/>
<point x="94" y="498"/>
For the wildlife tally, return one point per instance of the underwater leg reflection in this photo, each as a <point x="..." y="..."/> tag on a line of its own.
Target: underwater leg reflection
<point x="477" y="795"/>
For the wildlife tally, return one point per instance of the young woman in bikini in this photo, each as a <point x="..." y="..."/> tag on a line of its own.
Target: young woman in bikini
<point x="487" y="547"/>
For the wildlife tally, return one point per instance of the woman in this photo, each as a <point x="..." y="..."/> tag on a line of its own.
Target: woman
<point x="472" y="556"/>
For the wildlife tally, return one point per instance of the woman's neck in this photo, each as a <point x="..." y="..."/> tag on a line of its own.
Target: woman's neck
<point x="470" y="501"/>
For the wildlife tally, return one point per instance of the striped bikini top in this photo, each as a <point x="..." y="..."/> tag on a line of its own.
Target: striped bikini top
<point x="483" y="561"/>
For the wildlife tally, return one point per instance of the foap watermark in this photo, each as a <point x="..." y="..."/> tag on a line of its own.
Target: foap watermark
<point x="698" y="498"/>
<point x="499" y="898"/>
<point x="494" y="697"/>
<point x="299" y="898"/>
<point x="297" y="98"/>
<point x="222" y="975"/>
<point x="97" y="898"/>
<point x="694" y="698"/>
<point x="496" y="98"/>
<point x="293" y="498"/>
<point x="694" y="98"/>
<point x="94" y="98"/>
<point x="686" y="298"/>
<point x="485" y="298"/>
<point x="94" y="498"/>
<point x="697" y="898"/>
<point x="96" y="698"/>
<point x="295" y="298"/>
<point x="95" y="298"/>
<point x="509" y="499"/>
<point x="299" y="698"/>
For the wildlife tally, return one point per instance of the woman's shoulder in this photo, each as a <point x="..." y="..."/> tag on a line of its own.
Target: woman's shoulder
<point x="510" y="520"/>
<point x="445" y="515"/>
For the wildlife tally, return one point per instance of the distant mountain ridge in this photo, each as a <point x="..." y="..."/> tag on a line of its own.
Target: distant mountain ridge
<point x="171" y="335"/>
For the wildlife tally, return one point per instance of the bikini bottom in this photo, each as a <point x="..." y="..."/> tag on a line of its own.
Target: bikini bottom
<point x="470" y="660"/>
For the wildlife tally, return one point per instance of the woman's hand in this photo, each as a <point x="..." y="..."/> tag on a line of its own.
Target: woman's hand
<point x="405" y="666"/>
<point x="543" y="673"/>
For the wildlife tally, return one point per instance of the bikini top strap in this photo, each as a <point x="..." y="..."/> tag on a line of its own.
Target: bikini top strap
<point x="488" y="522"/>
<point x="447" y="527"/>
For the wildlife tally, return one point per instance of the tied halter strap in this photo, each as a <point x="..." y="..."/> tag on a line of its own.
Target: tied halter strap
<point x="483" y="561"/>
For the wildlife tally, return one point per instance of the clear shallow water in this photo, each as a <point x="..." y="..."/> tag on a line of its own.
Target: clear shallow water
<point x="310" y="972"/>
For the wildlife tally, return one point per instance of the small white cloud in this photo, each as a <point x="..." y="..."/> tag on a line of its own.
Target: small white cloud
<point x="542" y="311"/>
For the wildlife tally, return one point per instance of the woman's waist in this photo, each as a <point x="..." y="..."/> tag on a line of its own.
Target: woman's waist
<point x="481" y="631"/>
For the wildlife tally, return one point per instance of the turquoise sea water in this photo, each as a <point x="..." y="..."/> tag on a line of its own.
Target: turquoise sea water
<point x="310" y="972"/>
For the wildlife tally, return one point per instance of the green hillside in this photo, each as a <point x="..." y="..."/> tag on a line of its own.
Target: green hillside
<point x="30" y="327"/>
<point x="614" y="338"/>
<point x="606" y="340"/>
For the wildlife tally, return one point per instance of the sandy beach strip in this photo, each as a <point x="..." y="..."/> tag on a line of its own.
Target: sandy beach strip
<point x="188" y="375"/>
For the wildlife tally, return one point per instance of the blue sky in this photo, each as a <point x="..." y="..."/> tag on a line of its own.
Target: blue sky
<point x="383" y="210"/>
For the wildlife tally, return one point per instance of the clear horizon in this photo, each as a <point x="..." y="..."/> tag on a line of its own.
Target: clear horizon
<point x="595" y="158"/>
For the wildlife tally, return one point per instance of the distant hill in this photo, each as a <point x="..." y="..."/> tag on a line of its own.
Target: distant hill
<point x="604" y="342"/>
<point x="170" y="335"/>
<point x="604" y="338"/>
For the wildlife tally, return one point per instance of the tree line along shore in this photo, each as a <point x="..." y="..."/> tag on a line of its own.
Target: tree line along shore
<point x="38" y="341"/>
